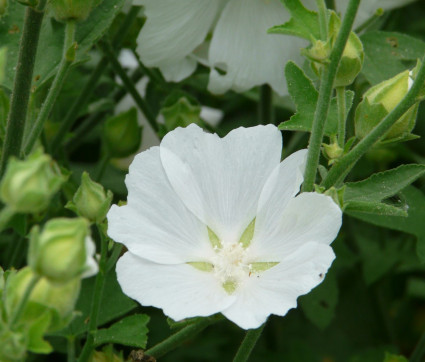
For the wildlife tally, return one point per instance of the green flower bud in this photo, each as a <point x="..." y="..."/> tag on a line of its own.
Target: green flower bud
<point x="62" y="251"/>
<point x="3" y="7"/>
<point x="379" y="101"/>
<point x="122" y="134"/>
<point x="28" y="185"/>
<point x="65" y="10"/>
<point x="107" y="355"/>
<point x="180" y="113"/>
<point x="13" y="346"/>
<point x="91" y="201"/>
<point x="332" y="152"/>
<point x="57" y="300"/>
<point x="352" y="57"/>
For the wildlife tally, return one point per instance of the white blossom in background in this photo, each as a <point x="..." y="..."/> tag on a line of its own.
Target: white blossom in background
<point x="216" y="225"/>
<point x="230" y="35"/>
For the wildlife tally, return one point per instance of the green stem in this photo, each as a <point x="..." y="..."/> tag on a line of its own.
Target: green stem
<point x="369" y="22"/>
<point x="128" y="84"/>
<point x="115" y="254"/>
<point x="84" y="96"/>
<point x="71" y="349"/>
<point x="419" y="351"/>
<point x="265" y="106"/>
<point x="97" y="296"/>
<point x="68" y="57"/>
<point x="6" y="215"/>
<point x="340" y="97"/>
<point x="180" y="337"/>
<point x="325" y="93"/>
<point x="347" y="162"/>
<point x="24" y="300"/>
<point x="323" y="19"/>
<point x="22" y="83"/>
<point x="104" y="161"/>
<point x="248" y="344"/>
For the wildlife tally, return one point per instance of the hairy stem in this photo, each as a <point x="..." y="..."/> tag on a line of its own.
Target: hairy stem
<point x="97" y="296"/>
<point x="68" y="57"/>
<point x="323" y="19"/>
<point x="248" y="344"/>
<point x="325" y="94"/>
<point x="107" y="49"/>
<point x="346" y="163"/>
<point x="340" y="97"/>
<point x="24" y="300"/>
<point x="22" y="83"/>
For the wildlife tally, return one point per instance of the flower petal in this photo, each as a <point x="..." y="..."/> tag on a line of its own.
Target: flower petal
<point x="241" y="47"/>
<point x="309" y="217"/>
<point x="173" y="29"/>
<point x="178" y="70"/>
<point x="220" y="180"/>
<point x="155" y="224"/>
<point x="276" y="290"/>
<point x="180" y="290"/>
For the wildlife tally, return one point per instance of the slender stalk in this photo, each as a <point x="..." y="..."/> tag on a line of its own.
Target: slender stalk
<point x="369" y="22"/>
<point x="97" y="296"/>
<point x="419" y="351"/>
<point x="68" y="57"/>
<point x="24" y="300"/>
<point x="265" y="106"/>
<point x="22" y="83"/>
<point x="84" y="96"/>
<point x="248" y="344"/>
<point x="347" y="162"/>
<point x="340" y="97"/>
<point x="102" y="167"/>
<point x="6" y="215"/>
<point x="325" y="93"/>
<point x="179" y="337"/>
<point x="128" y="84"/>
<point x="71" y="349"/>
<point x="323" y="19"/>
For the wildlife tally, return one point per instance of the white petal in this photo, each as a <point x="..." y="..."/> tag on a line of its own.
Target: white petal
<point x="180" y="290"/>
<point x="178" y="70"/>
<point x="276" y="290"/>
<point x="155" y="224"/>
<point x="173" y="29"/>
<point x="220" y="180"/>
<point x="241" y="47"/>
<point x="91" y="264"/>
<point x="309" y="217"/>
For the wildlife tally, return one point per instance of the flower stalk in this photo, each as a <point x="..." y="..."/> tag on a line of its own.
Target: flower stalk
<point x="323" y="19"/>
<point x="68" y="57"/>
<point x="346" y="163"/>
<point x="325" y="94"/>
<point x="340" y="97"/>
<point x="248" y="344"/>
<point x="22" y="83"/>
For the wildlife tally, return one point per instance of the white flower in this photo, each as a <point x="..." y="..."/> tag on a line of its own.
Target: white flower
<point x="213" y="225"/>
<point x="176" y="36"/>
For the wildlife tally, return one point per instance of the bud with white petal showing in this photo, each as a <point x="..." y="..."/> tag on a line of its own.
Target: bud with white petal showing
<point x="62" y="251"/>
<point x="379" y="101"/>
<point x="91" y="200"/>
<point x="28" y="185"/>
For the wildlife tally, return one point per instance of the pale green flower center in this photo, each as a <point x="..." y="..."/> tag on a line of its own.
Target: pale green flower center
<point x="231" y="263"/>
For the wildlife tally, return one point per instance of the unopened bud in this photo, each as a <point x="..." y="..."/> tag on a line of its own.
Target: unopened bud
<point x="180" y="112"/>
<point x="28" y="185"/>
<point x="122" y="134"/>
<point x="63" y="250"/>
<point x="91" y="201"/>
<point x="65" y="10"/>
<point x="332" y="151"/>
<point x="379" y="101"/>
<point x="58" y="300"/>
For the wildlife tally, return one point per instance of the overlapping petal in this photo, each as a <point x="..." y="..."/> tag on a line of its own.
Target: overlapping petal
<point x="276" y="290"/>
<point x="155" y="224"/>
<point x="180" y="290"/>
<point x="220" y="179"/>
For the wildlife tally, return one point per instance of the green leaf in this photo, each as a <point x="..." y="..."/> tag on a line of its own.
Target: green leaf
<point x="304" y="23"/>
<point x="412" y="224"/>
<point x="51" y="38"/>
<point x="305" y="97"/>
<point x="389" y="53"/>
<point x="384" y="184"/>
<point x="35" y="333"/>
<point x="394" y="358"/>
<point x="130" y="331"/>
<point x="113" y="305"/>
<point x="319" y="305"/>
<point x="3" y="63"/>
<point x="377" y="208"/>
